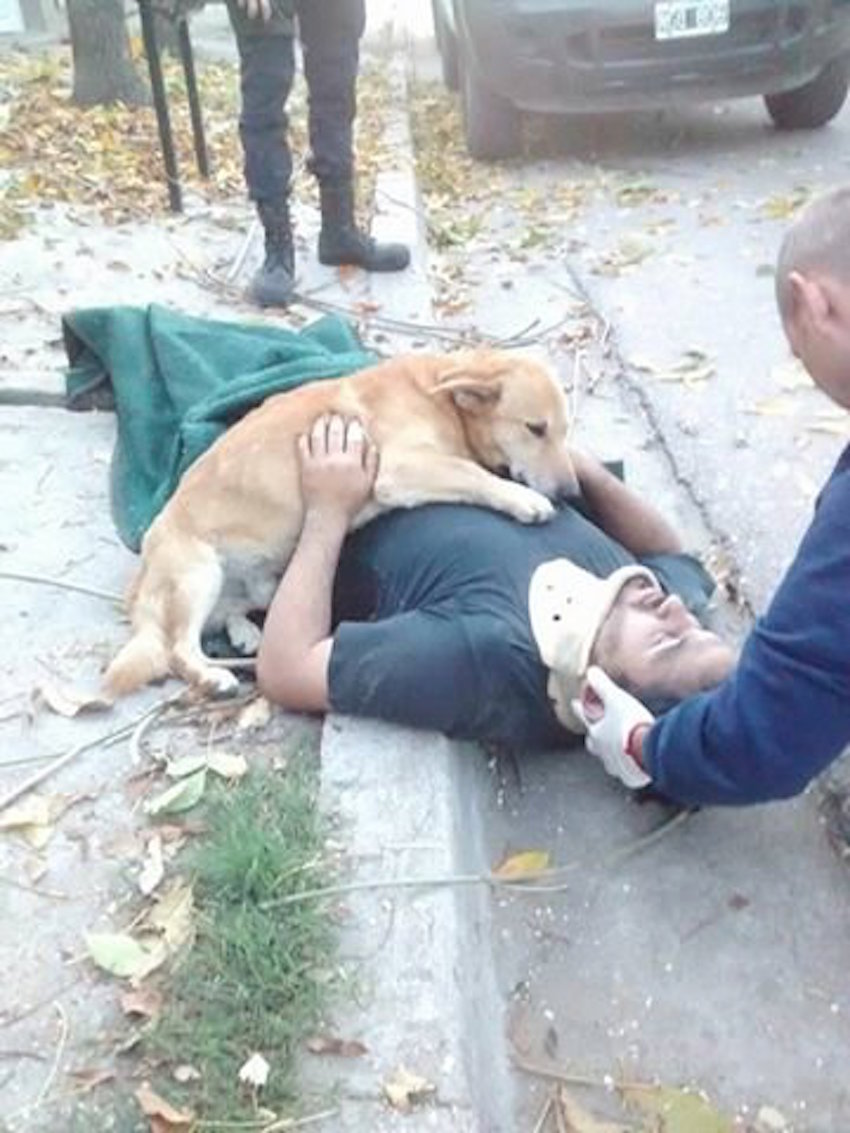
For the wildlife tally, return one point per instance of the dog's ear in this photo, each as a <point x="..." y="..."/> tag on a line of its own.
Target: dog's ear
<point x="474" y="387"/>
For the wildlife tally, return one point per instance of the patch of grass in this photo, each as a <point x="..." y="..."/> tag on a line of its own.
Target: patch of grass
<point x="258" y="978"/>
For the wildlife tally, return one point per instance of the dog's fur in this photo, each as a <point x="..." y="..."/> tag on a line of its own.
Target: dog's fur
<point x="444" y="426"/>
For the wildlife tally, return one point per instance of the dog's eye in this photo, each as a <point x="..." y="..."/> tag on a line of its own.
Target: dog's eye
<point x="536" y="428"/>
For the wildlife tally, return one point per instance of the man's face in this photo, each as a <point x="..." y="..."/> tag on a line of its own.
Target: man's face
<point x="653" y="645"/>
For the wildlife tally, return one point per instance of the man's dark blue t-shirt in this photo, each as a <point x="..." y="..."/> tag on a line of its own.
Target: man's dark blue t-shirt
<point x="433" y="630"/>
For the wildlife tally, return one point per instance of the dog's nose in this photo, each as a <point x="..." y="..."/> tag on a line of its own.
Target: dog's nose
<point x="568" y="492"/>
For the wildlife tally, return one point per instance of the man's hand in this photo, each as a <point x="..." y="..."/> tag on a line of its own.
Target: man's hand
<point x="256" y="9"/>
<point x="338" y="469"/>
<point x="613" y="720"/>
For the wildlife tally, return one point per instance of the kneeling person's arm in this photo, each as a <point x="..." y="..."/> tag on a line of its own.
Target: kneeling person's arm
<point x="338" y="467"/>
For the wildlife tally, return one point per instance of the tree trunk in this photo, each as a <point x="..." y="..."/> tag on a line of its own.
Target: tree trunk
<point x="103" y="69"/>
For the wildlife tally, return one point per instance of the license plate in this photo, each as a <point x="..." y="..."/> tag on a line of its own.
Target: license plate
<point x="679" y="19"/>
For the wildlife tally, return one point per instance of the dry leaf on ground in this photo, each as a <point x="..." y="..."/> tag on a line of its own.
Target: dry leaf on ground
<point x="185" y="766"/>
<point x="254" y="1072"/>
<point x="117" y="953"/>
<point x="89" y="1079"/>
<point x="578" y="1120"/>
<point x="184" y="1074"/>
<point x="255" y="714"/>
<point x="524" y="864"/>
<point x="779" y="405"/>
<point x="143" y="1001"/>
<point x="677" y="1111"/>
<point x="405" y="1089"/>
<point x="232" y="767"/>
<point x="173" y="916"/>
<point x="153" y="869"/>
<point x="164" y="1117"/>
<point x="67" y="701"/>
<point x="34" y="818"/>
<point x="341" y="1048"/>
<point x="185" y="794"/>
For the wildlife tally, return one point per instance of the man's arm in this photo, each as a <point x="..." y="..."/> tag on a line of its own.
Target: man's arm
<point x="622" y="514"/>
<point x="338" y="467"/>
<point x="781" y="717"/>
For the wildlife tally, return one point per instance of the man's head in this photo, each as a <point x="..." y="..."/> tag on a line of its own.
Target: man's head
<point x="813" y="292"/>
<point x="653" y="647"/>
<point x="644" y="638"/>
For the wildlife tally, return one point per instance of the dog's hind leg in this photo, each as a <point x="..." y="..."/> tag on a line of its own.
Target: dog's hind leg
<point x="195" y="594"/>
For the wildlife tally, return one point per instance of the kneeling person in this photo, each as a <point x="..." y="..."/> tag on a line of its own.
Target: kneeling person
<point x="460" y="620"/>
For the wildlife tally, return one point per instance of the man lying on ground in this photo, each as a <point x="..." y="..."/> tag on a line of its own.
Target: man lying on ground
<point x="784" y="714"/>
<point x="461" y="620"/>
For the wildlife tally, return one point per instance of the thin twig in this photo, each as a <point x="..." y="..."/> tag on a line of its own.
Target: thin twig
<point x="569" y="1079"/>
<point x="544" y="1114"/>
<point x="57" y="1058"/>
<point x="524" y="885"/>
<point x="70" y="755"/>
<point x="49" y="894"/>
<point x="44" y="580"/>
<point x="277" y="1125"/>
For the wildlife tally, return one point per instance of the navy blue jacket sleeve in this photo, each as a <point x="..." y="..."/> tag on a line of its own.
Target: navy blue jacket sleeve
<point x="784" y="714"/>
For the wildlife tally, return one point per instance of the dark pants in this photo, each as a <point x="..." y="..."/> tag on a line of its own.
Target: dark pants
<point x="330" y="32"/>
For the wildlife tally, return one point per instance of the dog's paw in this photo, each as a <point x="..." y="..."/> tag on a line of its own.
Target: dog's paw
<point x="527" y="505"/>
<point x="219" y="682"/>
<point x="244" y="635"/>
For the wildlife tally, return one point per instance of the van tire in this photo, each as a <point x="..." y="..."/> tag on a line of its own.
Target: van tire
<point x="492" y="125"/>
<point x="813" y="105"/>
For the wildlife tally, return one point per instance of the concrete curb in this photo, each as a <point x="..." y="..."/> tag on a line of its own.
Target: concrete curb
<point x="420" y="958"/>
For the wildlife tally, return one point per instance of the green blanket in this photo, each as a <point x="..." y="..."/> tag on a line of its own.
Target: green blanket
<point x="178" y="382"/>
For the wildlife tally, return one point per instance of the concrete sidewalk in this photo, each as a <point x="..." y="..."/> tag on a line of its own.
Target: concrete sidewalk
<point x="715" y="959"/>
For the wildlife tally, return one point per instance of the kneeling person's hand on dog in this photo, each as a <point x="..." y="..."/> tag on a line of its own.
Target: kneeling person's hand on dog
<point x="338" y="468"/>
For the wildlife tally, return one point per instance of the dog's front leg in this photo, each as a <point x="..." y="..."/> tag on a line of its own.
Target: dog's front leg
<point x="425" y="478"/>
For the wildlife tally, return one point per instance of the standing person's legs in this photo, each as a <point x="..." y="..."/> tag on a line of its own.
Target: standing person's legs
<point x="266" y="69"/>
<point x="330" y="32"/>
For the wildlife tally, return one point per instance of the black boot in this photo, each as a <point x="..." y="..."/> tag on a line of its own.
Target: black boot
<point x="342" y="242"/>
<point x="274" y="283"/>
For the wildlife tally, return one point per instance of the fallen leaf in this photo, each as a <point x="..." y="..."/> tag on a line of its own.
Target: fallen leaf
<point x="185" y="794"/>
<point x="34" y="818"/>
<point x="184" y="1074"/>
<point x="165" y="1118"/>
<point x="579" y="1120"/>
<point x="779" y="405"/>
<point x="770" y="1120"/>
<point x="255" y="1072"/>
<point x="145" y="1002"/>
<point x="677" y="1111"/>
<point x="67" y="701"/>
<point x="117" y="953"/>
<point x="523" y="864"/>
<point x="233" y="767"/>
<point x="186" y="765"/>
<point x="782" y="206"/>
<point x="88" y="1080"/>
<point x="153" y="869"/>
<point x="173" y="916"/>
<point x="341" y="1048"/>
<point x="255" y="714"/>
<point x="404" y="1089"/>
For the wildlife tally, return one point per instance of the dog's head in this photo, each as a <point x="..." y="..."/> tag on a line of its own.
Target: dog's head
<point x="515" y="417"/>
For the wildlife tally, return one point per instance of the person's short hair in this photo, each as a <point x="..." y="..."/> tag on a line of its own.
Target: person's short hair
<point x="818" y="240"/>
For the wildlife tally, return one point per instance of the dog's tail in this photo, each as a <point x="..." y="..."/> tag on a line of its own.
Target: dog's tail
<point x="145" y="657"/>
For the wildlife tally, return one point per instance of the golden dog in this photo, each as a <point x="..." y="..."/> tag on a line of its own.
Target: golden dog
<point x="444" y="425"/>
